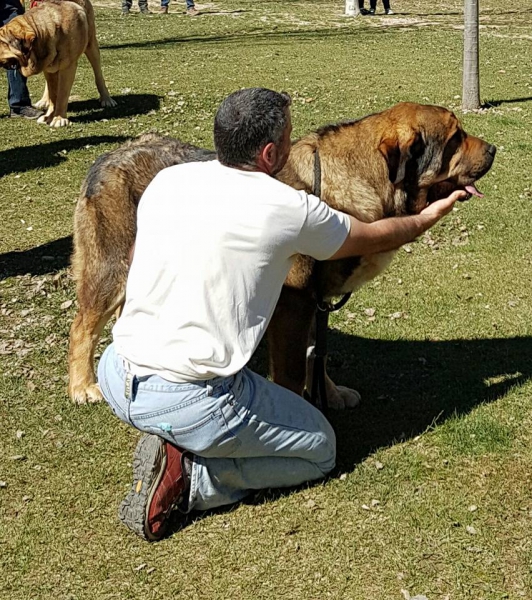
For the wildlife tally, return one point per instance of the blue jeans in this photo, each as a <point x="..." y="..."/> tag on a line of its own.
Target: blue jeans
<point x="245" y="432"/>
<point x="17" y="90"/>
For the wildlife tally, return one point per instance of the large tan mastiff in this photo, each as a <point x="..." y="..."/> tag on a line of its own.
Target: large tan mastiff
<point x="49" y="39"/>
<point x="387" y="164"/>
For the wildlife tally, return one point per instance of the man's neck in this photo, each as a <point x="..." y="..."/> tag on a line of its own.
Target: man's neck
<point x="249" y="168"/>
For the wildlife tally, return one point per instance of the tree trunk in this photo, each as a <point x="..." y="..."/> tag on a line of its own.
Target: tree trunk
<point x="471" y="80"/>
<point x="351" y="8"/>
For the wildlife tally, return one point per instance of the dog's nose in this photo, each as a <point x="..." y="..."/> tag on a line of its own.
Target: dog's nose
<point x="492" y="149"/>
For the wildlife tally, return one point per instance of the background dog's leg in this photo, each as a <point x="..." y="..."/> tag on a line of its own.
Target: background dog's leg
<point x="51" y="87"/>
<point x="45" y="100"/>
<point x="93" y="54"/>
<point x="288" y="339"/>
<point x="65" y="80"/>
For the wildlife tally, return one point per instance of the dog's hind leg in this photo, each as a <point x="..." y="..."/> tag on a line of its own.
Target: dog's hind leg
<point x="84" y="335"/>
<point x="92" y="52"/>
<point x="45" y="100"/>
<point x="100" y="270"/>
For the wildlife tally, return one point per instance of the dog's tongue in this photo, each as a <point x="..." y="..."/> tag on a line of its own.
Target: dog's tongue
<point x="471" y="189"/>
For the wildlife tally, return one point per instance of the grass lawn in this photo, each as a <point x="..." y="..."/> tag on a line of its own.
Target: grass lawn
<point x="433" y="491"/>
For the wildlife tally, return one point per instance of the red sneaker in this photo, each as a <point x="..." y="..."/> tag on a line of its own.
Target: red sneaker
<point x="160" y="484"/>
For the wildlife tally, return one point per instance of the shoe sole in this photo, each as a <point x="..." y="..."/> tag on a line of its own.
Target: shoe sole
<point x="149" y="463"/>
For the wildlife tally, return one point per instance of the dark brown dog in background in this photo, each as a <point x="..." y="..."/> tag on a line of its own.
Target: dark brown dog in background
<point x="387" y="164"/>
<point x="49" y="39"/>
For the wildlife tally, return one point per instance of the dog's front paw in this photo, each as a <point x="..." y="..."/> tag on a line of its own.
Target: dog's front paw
<point x="90" y="394"/>
<point x="108" y="102"/>
<point x="44" y="119"/>
<point x="59" y="122"/>
<point x="340" y="397"/>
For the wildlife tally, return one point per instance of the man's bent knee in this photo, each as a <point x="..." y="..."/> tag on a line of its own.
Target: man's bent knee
<point x="327" y="460"/>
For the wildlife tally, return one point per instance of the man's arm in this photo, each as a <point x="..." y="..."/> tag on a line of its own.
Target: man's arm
<point x="392" y="233"/>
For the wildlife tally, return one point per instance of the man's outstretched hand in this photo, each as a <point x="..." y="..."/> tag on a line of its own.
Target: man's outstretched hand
<point x="438" y="209"/>
<point x="393" y="232"/>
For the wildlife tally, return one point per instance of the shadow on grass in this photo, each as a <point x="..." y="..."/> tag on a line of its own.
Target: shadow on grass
<point x="492" y="103"/>
<point x="490" y="13"/>
<point x="129" y="105"/>
<point x="40" y="260"/>
<point x="407" y="387"/>
<point x="250" y="38"/>
<point x="40" y="156"/>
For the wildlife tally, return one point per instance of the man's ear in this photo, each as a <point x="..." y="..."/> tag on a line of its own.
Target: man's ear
<point x="397" y="153"/>
<point x="267" y="158"/>
<point x="270" y="152"/>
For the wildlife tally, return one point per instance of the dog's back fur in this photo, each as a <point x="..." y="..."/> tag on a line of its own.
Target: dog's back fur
<point x="95" y="221"/>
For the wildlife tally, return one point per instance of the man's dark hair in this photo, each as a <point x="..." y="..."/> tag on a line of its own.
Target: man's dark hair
<point x="246" y="121"/>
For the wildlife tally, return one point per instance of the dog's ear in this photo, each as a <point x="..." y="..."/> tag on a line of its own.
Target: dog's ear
<point x="397" y="153"/>
<point x="20" y="39"/>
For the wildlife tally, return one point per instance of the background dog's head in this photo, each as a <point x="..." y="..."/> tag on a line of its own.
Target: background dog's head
<point x="429" y="154"/>
<point x="16" y="43"/>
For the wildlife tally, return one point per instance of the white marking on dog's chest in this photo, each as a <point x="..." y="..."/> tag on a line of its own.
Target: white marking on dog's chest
<point x="370" y="266"/>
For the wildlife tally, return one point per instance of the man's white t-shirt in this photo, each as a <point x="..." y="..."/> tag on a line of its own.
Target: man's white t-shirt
<point x="214" y="246"/>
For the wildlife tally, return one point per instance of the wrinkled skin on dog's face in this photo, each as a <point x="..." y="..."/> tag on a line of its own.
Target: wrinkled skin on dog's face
<point x="466" y="160"/>
<point x="16" y="43"/>
<point x="431" y="155"/>
<point x="9" y="63"/>
<point x="8" y="60"/>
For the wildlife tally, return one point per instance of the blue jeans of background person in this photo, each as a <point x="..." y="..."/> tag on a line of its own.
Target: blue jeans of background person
<point x="246" y="433"/>
<point x="17" y="90"/>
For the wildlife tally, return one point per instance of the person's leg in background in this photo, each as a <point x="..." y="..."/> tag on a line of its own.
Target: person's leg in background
<point x="192" y="11"/>
<point x="143" y="7"/>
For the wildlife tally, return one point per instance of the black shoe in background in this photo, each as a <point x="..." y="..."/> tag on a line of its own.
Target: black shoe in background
<point x="28" y="112"/>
